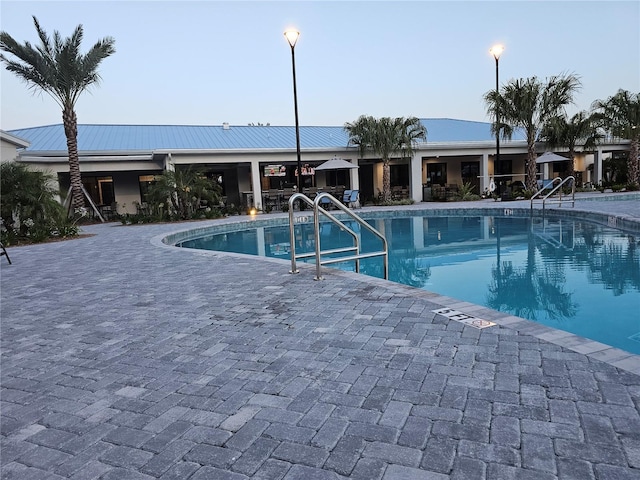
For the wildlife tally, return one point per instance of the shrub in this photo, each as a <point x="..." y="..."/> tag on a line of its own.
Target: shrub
<point x="465" y="193"/>
<point x="182" y="194"/>
<point x="29" y="211"/>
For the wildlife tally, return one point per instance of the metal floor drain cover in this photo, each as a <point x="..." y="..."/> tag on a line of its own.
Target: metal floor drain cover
<point x="463" y="318"/>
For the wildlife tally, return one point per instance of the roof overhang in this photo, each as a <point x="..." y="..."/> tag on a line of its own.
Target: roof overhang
<point x="239" y="151"/>
<point x="86" y="158"/>
<point x="12" y="139"/>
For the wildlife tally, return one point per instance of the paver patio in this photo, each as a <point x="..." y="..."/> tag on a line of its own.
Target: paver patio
<point x="122" y="359"/>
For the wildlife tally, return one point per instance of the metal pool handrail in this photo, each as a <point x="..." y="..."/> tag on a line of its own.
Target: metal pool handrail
<point x="319" y="210"/>
<point x="557" y="188"/>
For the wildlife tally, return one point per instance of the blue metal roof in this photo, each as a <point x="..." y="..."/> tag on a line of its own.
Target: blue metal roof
<point x="130" y="138"/>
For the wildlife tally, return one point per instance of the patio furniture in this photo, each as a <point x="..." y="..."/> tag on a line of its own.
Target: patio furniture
<point x="4" y="252"/>
<point x="272" y="199"/>
<point x="354" y="199"/>
<point x="310" y="192"/>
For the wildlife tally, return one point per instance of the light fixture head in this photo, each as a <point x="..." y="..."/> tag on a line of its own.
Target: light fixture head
<point x="292" y="37"/>
<point x="496" y="51"/>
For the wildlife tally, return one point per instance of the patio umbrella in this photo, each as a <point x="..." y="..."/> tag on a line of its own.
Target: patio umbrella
<point x="549" y="157"/>
<point x="335" y="164"/>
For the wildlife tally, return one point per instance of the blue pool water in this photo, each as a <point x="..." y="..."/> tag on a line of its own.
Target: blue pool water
<point x="573" y="275"/>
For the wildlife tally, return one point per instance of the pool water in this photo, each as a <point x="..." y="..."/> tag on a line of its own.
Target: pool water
<point x="572" y="275"/>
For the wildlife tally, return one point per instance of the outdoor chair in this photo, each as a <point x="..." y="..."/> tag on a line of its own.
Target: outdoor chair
<point x="325" y="202"/>
<point x="354" y="199"/>
<point x="4" y="252"/>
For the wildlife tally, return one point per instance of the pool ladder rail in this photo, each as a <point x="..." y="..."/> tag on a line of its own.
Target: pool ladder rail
<point x="318" y="204"/>
<point x="570" y="198"/>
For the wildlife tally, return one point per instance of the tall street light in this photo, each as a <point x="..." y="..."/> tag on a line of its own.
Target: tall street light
<point x="496" y="51"/>
<point x="292" y="38"/>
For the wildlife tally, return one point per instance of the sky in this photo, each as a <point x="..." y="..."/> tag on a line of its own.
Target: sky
<point x="209" y="62"/>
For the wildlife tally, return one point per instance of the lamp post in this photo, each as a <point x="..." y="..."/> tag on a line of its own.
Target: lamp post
<point x="292" y="38"/>
<point x="496" y="51"/>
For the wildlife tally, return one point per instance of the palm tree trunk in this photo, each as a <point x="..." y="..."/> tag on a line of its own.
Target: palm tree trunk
<point x="633" y="168"/>
<point x="386" y="181"/>
<point x="531" y="181"/>
<point x="71" y="131"/>
<point x="572" y="166"/>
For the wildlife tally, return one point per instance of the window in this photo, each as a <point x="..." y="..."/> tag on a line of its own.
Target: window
<point x="337" y="177"/>
<point x="100" y="189"/>
<point x="399" y="175"/>
<point x="506" y="167"/>
<point x="437" y="173"/>
<point x="145" y="182"/>
<point x="470" y="172"/>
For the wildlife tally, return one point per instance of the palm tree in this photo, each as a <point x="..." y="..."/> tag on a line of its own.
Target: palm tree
<point x="57" y="68"/>
<point x="580" y="130"/>
<point x="528" y="104"/>
<point x="386" y="136"/>
<point x="620" y="115"/>
<point x="186" y="190"/>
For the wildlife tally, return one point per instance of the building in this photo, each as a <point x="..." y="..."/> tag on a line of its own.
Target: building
<point x="119" y="162"/>
<point x="10" y="146"/>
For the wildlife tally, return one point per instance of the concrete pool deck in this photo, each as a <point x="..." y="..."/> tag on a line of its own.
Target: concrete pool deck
<point x="122" y="358"/>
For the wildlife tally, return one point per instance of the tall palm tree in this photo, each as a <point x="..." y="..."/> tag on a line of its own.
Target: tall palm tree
<point x="620" y="115"/>
<point x="528" y="104"/>
<point x="581" y="131"/>
<point x="386" y="136"/>
<point x="57" y="68"/>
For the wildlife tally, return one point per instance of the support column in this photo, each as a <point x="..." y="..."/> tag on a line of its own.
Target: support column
<point x="484" y="173"/>
<point x="597" y="167"/>
<point x="256" y="187"/>
<point x="354" y="178"/>
<point x="415" y="186"/>
<point x="168" y="164"/>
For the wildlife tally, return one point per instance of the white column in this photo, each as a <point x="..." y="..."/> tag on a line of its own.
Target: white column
<point x="545" y="171"/>
<point x="168" y="164"/>
<point x="597" y="167"/>
<point x="354" y="178"/>
<point x="415" y="187"/>
<point x="484" y="172"/>
<point x="256" y="187"/>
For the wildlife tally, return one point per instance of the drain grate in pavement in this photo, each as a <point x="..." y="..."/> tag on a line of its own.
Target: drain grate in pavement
<point x="463" y="318"/>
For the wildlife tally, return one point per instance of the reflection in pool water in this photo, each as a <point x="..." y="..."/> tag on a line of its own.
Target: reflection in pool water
<point x="569" y="274"/>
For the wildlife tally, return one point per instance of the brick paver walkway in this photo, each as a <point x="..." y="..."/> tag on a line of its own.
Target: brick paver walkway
<point x="125" y="360"/>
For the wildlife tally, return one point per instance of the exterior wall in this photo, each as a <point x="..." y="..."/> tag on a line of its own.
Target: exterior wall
<point x="9" y="145"/>
<point x="9" y="152"/>
<point x="126" y="188"/>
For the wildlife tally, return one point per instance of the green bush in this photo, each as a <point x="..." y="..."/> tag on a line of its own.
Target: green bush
<point x="183" y="194"/>
<point x="29" y="211"/>
<point x="466" y="193"/>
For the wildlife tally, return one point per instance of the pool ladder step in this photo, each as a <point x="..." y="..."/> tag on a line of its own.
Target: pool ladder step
<point x="555" y="195"/>
<point x="320" y="203"/>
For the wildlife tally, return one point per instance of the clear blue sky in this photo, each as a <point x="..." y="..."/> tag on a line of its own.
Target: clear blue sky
<point x="209" y="62"/>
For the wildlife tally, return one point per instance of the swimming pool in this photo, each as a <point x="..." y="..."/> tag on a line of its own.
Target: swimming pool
<point x="566" y="273"/>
